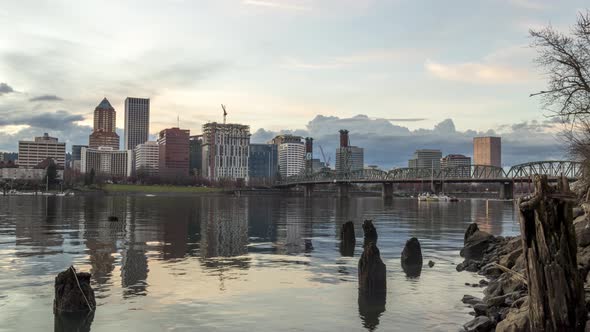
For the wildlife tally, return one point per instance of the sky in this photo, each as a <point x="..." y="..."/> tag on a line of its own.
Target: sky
<point x="399" y="74"/>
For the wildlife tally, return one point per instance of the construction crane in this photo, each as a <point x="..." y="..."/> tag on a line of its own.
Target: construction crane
<point x="326" y="161"/>
<point x="224" y="112"/>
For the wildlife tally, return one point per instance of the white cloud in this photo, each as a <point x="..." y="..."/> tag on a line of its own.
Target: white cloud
<point x="474" y="72"/>
<point x="530" y="4"/>
<point x="364" y="57"/>
<point x="285" y="5"/>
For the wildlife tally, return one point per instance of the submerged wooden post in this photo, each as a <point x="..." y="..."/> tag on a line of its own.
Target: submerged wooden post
<point x="347" y="239"/>
<point x="556" y="290"/>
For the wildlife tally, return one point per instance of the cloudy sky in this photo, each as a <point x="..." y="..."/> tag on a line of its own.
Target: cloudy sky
<point x="400" y="74"/>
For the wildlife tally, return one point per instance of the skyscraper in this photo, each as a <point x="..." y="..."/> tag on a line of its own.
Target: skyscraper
<point x="196" y="155"/>
<point x="263" y="163"/>
<point x="137" y="122"/>
<point x="291" y="159"/>
<point x="487" y="151"/>
<point x="426" y="158"/>
<point x="348" y="158"/>
<point x="106" y="161"/>
<point x="225" y="151"/>
<point x="147" y="159"/>
<point x="174" y="152"/>
<point x="104" y="127"/>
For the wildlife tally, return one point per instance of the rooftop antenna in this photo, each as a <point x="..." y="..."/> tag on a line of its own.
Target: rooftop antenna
<point x="177" y="121"/>
<point x="224" y="112"/>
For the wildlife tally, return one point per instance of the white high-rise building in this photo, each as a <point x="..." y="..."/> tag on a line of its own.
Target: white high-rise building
<point x="291" y="159"/>
<point x="226" y="149"/>
<point x="107" y="162"/>
<point x="147" y="158"/>
<point x="31" y="153"/>
<point x="137" y="122"/>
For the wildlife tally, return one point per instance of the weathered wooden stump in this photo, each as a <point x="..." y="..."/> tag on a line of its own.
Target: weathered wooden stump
<point x="370" y="232"/>
<point x="347" y="239"/>
<point x="556" y="292"/>
<point x="371" y="271"/>
<point x="412" y="258"/>
<point x="73" y="292"/>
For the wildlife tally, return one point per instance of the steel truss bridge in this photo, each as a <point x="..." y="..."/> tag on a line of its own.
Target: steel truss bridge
<point x="460" y="174"/>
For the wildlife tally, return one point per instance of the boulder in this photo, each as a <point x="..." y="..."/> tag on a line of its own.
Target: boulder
<point x="583" y="233"/>
<point x="471" y="300"/>
<point x="509" y="259"/>
<point x="370" y="232"/>
<point x="479" y="324"/>
<point x="469" y="265"/>
<point x="476" y="245"/>
<point x="472" y="228"/>
<point x="480" y="309"/>
<point x="371" y="270"/>
<point x="430" y="264"/>
<point x="73" y="292"/>
<point x="517" y="320"/>
<point x="412" y="258"/>
<point x="347" y="239"/>
<point x="113" y="218"/>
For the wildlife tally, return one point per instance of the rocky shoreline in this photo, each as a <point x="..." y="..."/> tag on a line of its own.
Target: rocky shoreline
<point x="500" y="260"/>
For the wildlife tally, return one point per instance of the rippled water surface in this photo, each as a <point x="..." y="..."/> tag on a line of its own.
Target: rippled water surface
<point x="215" y="263"/>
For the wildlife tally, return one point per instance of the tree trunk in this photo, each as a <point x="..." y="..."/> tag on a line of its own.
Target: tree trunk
<point x="549" y="247"/>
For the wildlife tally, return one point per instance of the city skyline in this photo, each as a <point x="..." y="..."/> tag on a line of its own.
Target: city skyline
<point x="450" y="67"/>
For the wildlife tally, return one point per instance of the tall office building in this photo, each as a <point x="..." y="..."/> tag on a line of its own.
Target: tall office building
<point x="147" y="160"/>
<point x="174" y="152"/>
<point x="426" y="158"/>
<point x="104" y="133"/>
<point x="225" y="151"/>
<point x="263" y="163"/>
<point x="454" y="161"/>
<point x="31" y="153"/>
<point x="137" y="122"/>
<point x="77" y="155"/>
<point x="107" y="162"/>
<point x="348" y="158"/>
<point x="196" y="155"/>
<point x="487" y="151"/>
<point x="291" y="159"/>
<point x="285" y="138"/>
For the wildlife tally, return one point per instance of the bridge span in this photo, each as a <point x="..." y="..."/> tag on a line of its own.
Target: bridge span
<point x="554" y="169"/>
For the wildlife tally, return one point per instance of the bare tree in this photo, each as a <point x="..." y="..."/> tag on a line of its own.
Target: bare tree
<point x="566" y="59"/>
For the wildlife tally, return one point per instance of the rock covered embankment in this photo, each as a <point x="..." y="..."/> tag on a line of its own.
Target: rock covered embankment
<point x="504" y="306"/>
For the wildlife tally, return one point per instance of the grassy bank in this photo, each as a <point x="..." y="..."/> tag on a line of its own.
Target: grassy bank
<point x="132" y="188"/>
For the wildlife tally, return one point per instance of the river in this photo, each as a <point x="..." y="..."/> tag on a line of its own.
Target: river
<point x="219" y="263"/>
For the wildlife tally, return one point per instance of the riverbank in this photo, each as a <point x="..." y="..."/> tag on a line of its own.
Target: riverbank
<point x="153" y="189"/>
<point x="505" y="305"/>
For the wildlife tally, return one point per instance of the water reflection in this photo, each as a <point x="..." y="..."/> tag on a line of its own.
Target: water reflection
<point x="371" y="307"/>
<point x="73" y="322"/>
<point x="235" y="259"/>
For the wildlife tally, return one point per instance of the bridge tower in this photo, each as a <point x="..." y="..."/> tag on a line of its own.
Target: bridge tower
<point x="308" y="155"/>
<point x="507" y="190"/>
<point x="387" y="190"/>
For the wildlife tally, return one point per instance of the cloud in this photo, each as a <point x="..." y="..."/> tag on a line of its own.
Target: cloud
<point x="58" y="120"/>
<point x="285" y="5"/>
<point x="388" y="145"/>
<point x="5" y="88"/>
<point x="473" y="72"/>
<point x="46" y="98"/>
<point x="530" y="4"/>
<point x="366" y="57"/>
<point x="406" y="119"/>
